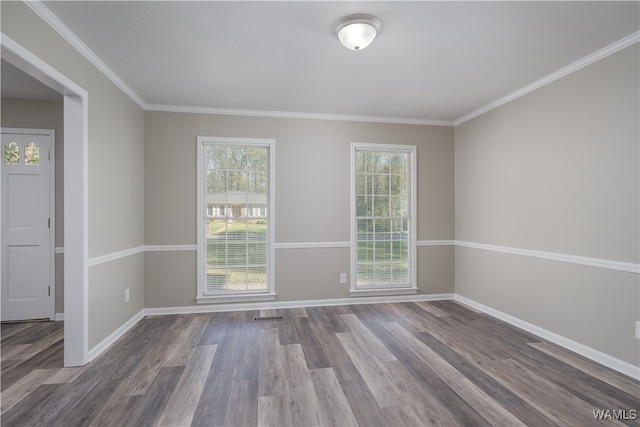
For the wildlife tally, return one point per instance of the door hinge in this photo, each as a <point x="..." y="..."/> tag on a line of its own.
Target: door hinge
<point x="49" y="153"/>
<point x="49" y="290"/>
<point x="49" y="222"/>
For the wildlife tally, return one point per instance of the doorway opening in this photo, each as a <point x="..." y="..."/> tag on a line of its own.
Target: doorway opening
<point x="75" y="107"/>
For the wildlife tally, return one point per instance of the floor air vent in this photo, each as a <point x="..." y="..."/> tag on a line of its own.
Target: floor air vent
<point x="267" y="319"/>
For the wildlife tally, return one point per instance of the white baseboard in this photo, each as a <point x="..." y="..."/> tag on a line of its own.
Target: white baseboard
<point x="115" y="335"/>
<point x="270" y="305"/>
<point x="583" y="350"/>
<point x="59" y="317"/>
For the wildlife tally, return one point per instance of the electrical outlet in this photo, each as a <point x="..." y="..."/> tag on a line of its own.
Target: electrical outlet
<point x="343" y="278"/>
<point x="126" y="295"/>
<point x="638" y="329"/>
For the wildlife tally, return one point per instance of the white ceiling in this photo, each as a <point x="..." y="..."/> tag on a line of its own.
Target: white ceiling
<point x="432" y="60"/>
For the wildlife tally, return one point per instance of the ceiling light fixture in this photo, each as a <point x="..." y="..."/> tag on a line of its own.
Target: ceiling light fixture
<point x="356" y="32"/>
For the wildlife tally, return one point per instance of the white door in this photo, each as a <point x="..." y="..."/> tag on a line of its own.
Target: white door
<point x="26" y="236"/>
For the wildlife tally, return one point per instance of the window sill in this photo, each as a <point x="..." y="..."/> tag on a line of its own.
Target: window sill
<point x="383" y="292"/>
<point x="210" y="299"/>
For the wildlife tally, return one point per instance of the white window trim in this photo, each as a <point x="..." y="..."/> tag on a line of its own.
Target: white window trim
<point x="270" y="294"/>
<point x="393" y="289"/>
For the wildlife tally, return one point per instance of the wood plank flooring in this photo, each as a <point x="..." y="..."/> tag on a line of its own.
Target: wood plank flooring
<point x="427" y="363"/>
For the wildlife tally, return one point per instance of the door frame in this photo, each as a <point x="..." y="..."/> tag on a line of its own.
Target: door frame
<point x="76" y="253"/>
<point x="52" y="207"/>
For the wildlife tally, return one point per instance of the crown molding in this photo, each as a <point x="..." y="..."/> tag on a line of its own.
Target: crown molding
<point x="550" y="78"/>
<point x="295" y="115"/>
<point x="47" y="16"/>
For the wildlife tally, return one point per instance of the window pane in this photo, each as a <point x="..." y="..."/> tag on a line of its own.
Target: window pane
<point x="399" y="250"/>
<point x="236" y="181"/>
<point x="360" y="159"/>
<point x="256" y="158"/>
<point x="382" y="184"/>
<point x="382" y="206"/>
<point x="216" y="254"/>
<point x="382" y="251"/>
<point x="370" y="160"/>
<point x="361" y="184"/>
<point x="12" y="154"/>
<point x="399" y="185"/>
<point x="257" y="253"/>
<point x="236" y="194"/>
<point x="365" y="229"/>
<point x="257" y="277"/>
<point x="31" y="154"/>
<point x="216" y="279"/>
<point x="363" y="206"/>
<point x="262" y="183"/>
<point x="399" y="163"/>
<point x="398" y="206"/>
<point x="365" y="274"/>
<point x="383" y="274"/>
<point x="365" y="251"/>
<point x="400" y="272"/>
<point x="257" y="182"/>
<point x="237" y="279"/>
<point x="210" y="182"/>
<point x="236" y="252"/>
<point x="382" y="228"/>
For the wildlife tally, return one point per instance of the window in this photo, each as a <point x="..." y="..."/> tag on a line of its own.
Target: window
<point x="31" y="154"/>
<point x="235" y="219"/>
<point x="12" y="153"/>
<point x="382" y="215"/>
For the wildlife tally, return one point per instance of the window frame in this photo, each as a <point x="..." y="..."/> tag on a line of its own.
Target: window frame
<point x="373" y="290"/>
<point x="240" y="296"/>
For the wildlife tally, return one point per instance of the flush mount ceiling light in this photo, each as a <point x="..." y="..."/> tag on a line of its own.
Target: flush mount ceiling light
<point x="356" y="32"/>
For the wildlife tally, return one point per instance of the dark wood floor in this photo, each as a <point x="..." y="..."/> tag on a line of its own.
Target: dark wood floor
<point x="427" y="363"/>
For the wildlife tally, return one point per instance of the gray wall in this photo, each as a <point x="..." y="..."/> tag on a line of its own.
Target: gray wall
<point x="556" y="170"/>
<point x="116" y="176"/>
<point x="31" y="114"/>
<point x="312" y="200"/>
